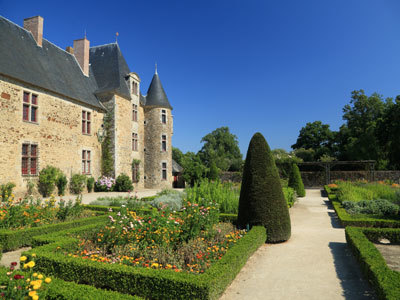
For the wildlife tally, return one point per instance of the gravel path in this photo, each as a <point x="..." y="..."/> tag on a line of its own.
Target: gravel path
<point x="314" y="264"/>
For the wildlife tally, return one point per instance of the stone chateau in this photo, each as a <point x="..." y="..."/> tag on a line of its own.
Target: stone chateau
<point x="52" y="108"/>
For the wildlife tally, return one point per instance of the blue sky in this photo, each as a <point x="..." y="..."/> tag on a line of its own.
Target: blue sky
<point x="267" y="66"/>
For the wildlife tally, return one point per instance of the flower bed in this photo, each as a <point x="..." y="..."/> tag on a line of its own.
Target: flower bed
<point x="360" y="220"/>
<point x="189" y="241"/>
<point x="385" y="281"/>
<point x="152" y="281"/>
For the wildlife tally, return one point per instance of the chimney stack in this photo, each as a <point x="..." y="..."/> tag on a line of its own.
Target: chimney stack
<point x="35" y="26"/>
<point x="81" y="52"/>
<point x="70" y="50"/>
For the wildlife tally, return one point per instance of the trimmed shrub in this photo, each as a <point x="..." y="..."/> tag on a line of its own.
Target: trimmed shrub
<point x="261" y="198"/>
<point x="123" y="183"/>
<point x="77" y="183"/>
<point x="296" y="182"/>
<point x="380" y="207"/>
<point x="385" y="281"/>
<point x="104" y="184"/>
<point x="90" y="184"/>
<point x="47" y="180"/>
<point x="61" y="183"/>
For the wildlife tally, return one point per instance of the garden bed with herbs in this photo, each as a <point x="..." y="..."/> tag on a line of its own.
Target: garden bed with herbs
<point x="160" y="255"/>
<point x="366" y="204"/>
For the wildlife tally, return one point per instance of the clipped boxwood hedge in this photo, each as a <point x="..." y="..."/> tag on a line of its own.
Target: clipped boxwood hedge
<point x="348" y="220"/>
<point x="385" y="281"/>
<point x="64" y="290"/>
<point x="13" y="239"/>
<point x="148" y="283"/>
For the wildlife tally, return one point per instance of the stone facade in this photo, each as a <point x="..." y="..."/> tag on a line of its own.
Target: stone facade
<point x="57" y="132"/>
<point x="73" y="88"/>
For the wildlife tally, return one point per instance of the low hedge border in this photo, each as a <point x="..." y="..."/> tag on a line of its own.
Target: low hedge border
<point x="148" y="283"/>
<point x="385" y="281"/>
<point x="13" y="239"/>
<point x="222" y="216"/>
<point x="64" y="290"/>
<point x="348" y="220"/>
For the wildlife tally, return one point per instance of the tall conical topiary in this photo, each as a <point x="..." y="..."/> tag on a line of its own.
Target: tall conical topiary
<point x="261" y="198"/>
<point x="296" y="182"/>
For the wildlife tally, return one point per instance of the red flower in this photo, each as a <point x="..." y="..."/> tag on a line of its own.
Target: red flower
<point x="17" y="276"/>
<point x="14" y="263"/>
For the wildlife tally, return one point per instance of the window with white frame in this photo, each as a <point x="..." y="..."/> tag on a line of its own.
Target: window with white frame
<point x="30" y="107"/>
<point x="30" y="159"/>
<point x="163" y="116"/>
<point x="86" y="161"/>
<point x="164" y="143"/>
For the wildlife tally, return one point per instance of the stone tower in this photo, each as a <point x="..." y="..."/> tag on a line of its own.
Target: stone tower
<point x="158" y="130"/>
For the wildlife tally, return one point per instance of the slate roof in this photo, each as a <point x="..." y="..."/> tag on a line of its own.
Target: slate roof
<point x="156" y="95"/>
<point x="48" y="66"/>
<point x="110" y="70"/>
<point x="176" y="168"/>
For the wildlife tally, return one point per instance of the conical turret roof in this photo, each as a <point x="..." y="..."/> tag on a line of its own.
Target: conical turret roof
<point x="156" y="95"/>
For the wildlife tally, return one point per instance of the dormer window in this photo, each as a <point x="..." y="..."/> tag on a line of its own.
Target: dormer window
<point x="134" y="88"/>
<point x="163" y="116"/>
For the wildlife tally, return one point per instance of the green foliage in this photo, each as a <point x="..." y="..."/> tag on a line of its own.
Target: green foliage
<point x="222" y="148"/>
<point x="226" y="195"/>
<point x="213" y="173"/>
<point x="171" y="201"/>
<point x="316" y="136"/>
<point x="77" y="183"/>
<point x="123" y="183"/>
<point x="296" y="182"/>
<point x="61" y="183"/>
<point x="177" y="155"/>
<point x="193" y="168"/>
<point x="47" y="180"/>
<point x="69" y="210"/>
<point x="379" y="208"/>
<point x="261" y="198"/>
<point x="306" y="155"/>
<point x="290" y="195"/>
<point x="6" y="191"/>
<point x="148" y="283"/>
<point x="385" y="281"/>
<point x="14" y="239"/>
<point x="90" y="184"/>
<point x="107" y="159"/>
<point x="284" y="161"/>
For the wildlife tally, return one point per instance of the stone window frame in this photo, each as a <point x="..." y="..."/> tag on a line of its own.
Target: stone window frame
<point x="135" y="87"/>
<point x="86" y="122"/>
<point x="86" y="161"/>
<point x="135" y="142"/>
<point x="30" y="102"/>
<point x="134" y="112"/>
<point x="28" y="156"/>
<point x="164" y="147"/>
<point x="135" y="171"/>
<point x="163" y="117"/>
<point x="164" y="170"/>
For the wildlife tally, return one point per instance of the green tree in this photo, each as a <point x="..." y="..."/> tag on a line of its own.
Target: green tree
<point x="284" y="161"/>
<point x="359" y="135"/>
<point x="296" y="182"/>
<point x="388" y="133"/>
<point x="177" y="155"/>
<point x="261" y="198"/>
<point x="222" y="147"/>
<point x="193" y="168"/>
<point x="213" y="173"/>
<point x="316" y="136"/>
<point x="305" y="154"/>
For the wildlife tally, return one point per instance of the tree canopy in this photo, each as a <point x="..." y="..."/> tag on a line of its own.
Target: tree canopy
<point x="221" y="147"/>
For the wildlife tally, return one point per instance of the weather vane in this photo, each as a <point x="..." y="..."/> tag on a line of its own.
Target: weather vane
<point x="116" y="37"/>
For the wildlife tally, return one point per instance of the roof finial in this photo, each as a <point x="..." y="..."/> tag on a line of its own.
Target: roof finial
<point x="85" y="33"/>
<point x="156" y="69"/>
<point x="116" y="37"/>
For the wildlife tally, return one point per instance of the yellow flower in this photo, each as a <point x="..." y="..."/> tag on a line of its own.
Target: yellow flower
<point x="36" y="287"/>
<point x="35" y="297"/>
<point x="23" y="258"/>
<point x="25" y="266"/>
<point x="47" y="280"/>
<point x="31" y="264"/>
<point x="34" y="274"/>
<point x="33" y="254"/>
<point x="32" y="293"/>
<point x="40" y="276"/>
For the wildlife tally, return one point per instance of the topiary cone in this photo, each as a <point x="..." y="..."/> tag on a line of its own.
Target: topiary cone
<point x="261" y="199"/>
<point x="296" y="182"/>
